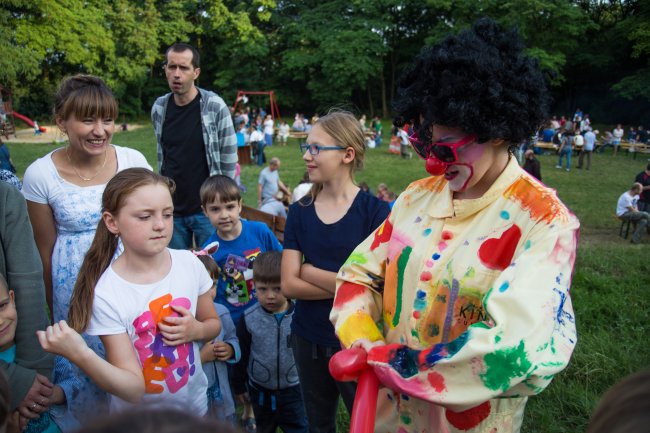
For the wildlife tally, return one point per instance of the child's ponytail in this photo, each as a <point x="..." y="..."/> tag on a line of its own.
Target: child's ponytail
<point x="97" y="260"/>
<point x="101" y="252"/>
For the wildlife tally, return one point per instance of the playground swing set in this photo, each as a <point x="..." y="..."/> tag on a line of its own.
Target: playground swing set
<point x="8" y="115"/>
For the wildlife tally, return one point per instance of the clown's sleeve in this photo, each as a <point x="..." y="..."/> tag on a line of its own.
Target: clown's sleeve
<point x="356" y="313"/>
<point x="529" y="335"/>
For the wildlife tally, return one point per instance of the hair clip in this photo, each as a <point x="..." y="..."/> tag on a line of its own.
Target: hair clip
<point x="209" y="249"/>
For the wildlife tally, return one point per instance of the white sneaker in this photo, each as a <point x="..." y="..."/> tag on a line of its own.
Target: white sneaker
<point x="558" y="166"/>
<point x="568" y="169"/>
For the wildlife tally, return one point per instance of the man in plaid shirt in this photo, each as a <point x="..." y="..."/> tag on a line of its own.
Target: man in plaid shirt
<point x="196" y="139"/>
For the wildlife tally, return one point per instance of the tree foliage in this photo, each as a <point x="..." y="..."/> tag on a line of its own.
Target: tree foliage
<point x="314" y="54"/>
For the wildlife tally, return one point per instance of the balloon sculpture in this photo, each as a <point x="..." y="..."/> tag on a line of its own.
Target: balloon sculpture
<point x="348" y="365"/>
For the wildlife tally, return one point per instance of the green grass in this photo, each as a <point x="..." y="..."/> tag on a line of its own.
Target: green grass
<point x="610" y="284"/>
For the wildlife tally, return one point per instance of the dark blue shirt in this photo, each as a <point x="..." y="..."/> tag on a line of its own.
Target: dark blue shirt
<point x="327" y="247"/>
<point x="235" y="285"/>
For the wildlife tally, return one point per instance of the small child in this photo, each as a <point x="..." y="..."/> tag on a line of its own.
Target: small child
<point x="223" y="349"/>
<point x="240" y="241"/>
<point x="42" y="422"/>
<point x="267" y="368"/>
<point x="283" y="133"/>
<point x="150" y="306"/>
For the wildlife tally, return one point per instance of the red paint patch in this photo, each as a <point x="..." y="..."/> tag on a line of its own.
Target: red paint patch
<point x="437" y="382"/>
<point x="425" y="276"/>
<point x="446" y="235"/>
<point x="382" y="234"/>
<point x="496" y="253"/>
<point x="384" y="353"/>
<point x="416" y="314"/>
<point x="470" y="418"/>
<point x="347" y="292"/>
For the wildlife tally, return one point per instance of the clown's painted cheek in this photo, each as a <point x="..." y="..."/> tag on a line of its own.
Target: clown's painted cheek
<point x="461" y="179"/>
<point x="467" y="156"/>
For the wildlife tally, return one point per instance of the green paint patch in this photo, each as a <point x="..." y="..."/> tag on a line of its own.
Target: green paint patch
<point x="434" y="330"/>
<point x="359" y="258"/>
<point x="504" y="365"/>
<point x="406" y="419"/>
<point x="402" y="261"/>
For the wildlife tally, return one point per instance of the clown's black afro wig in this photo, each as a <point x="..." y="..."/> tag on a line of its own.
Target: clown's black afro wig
<point x="479" y="81"/>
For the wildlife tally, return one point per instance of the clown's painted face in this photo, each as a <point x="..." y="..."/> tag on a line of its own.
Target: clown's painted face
<point x="470" y="167"/>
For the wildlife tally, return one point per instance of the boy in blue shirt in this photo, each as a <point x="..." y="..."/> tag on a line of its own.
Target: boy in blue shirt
<point x="240" y="242"/>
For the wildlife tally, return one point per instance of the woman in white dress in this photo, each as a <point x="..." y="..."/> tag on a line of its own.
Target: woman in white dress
<point x="63" y="191"/>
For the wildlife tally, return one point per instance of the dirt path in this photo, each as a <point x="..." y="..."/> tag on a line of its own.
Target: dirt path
<point x="52" y="135"/>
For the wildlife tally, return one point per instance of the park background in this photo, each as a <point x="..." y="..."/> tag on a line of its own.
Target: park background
<point x="315" y="53"/>
<point x="349" y="53"/>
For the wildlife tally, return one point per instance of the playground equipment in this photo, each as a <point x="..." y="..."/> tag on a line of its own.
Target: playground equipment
<point x="27" y="120"/>
<point x="7" y="124"/>
<point x="275" y="112"/>
<point x="348" y="365"/>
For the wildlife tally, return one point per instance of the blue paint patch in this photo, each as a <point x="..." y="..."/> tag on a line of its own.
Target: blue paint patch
<point x="504" y="286"/>
<point x="418" y="219"/>
<point x="435" y="256"/>
<point x="505" y="215"/>
<point x="405" y="397"/>
<point x="421" y="294"/>
<point x="419" y="304"/>
<point x="527" y="244"/>
<point x="426" y="232"/>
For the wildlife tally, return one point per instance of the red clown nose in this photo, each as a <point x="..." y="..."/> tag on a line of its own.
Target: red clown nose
<point x="436" y="167"/>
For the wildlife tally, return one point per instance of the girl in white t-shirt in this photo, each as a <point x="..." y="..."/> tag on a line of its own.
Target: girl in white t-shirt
<point x="150" y="306"/>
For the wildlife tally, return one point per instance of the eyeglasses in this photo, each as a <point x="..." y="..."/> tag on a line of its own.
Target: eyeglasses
<point x="444" y="151"/>
<point x="314" y="149"/>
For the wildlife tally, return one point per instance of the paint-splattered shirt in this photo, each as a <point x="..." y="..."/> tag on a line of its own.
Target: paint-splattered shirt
<point x="472" y="299"/>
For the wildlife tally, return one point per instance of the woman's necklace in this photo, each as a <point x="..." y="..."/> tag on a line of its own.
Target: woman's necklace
<point x="86" y="179"/>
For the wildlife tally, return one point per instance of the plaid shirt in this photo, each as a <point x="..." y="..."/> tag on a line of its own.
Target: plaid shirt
<point x="218" y="133"/>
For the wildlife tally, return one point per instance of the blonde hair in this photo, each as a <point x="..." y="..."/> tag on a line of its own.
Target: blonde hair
<point x="104" y="245"/>
<point x="346" y="132"/>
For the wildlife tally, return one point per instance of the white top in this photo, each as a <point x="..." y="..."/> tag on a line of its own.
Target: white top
<point x="284" y="130"/>
<point x="624" y="202"/>
<point x="578" y="140"/>
<point x="300" y="191"/>
<point x="268" y="126"/>
<point x="39" y="186"/>
<point x="256" y="136"/>
<point x="403" y="136"/>
<point x="173" y="374"/>
<point x="618" y="133"/>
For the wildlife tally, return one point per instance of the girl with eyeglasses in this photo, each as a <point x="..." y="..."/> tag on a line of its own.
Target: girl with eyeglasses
<point x="461" y="298"/>
<point x="321" y="231"/>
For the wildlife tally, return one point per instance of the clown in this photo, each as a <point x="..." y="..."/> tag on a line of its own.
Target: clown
<point x="461" y="297"/>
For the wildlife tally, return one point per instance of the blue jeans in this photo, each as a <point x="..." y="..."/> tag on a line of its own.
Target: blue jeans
<point x="282" y="408"/>
<point x="197" y="225"/>
<point x="260" y="153"/>
<point x="565" y="151"/>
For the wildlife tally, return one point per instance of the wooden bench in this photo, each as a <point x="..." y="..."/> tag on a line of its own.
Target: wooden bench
<point x="275" y="223"/>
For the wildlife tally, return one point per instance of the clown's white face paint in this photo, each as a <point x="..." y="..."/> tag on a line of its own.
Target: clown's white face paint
<point x="478" y="164"/>
<point x="460" y="175"/>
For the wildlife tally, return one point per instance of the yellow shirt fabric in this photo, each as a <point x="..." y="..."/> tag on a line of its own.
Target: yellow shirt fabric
<point x="472" y="299"/>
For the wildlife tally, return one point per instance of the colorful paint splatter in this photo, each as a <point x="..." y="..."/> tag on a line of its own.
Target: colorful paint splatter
<point x="475" y="303"/>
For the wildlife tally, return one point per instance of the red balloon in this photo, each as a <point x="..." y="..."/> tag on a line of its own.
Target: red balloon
<point x="351" y="364"/>
<point x="347" y="365"/>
